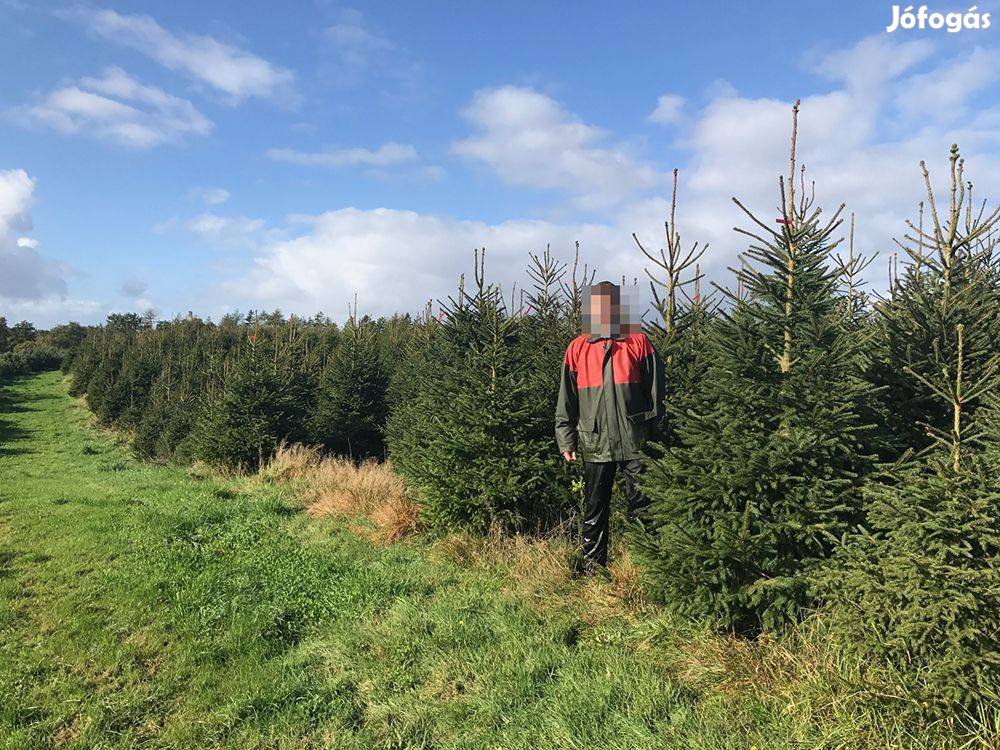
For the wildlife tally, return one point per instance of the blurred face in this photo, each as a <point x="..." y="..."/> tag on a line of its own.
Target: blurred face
<point x="600" y="309"/>
<point x="600" y="312"/>
<point x="610" y="313"/>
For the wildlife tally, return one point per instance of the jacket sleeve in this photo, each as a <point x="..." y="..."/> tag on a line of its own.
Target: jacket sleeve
<point x="567" y="407"/>
<point x="654" y="378"/>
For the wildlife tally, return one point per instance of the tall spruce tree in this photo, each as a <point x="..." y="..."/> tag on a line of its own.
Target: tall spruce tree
<point x="921" y="586"/>
<point x="771" y="451"/>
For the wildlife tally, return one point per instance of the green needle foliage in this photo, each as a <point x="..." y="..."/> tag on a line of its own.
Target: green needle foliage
<point x="475" y="441"/>
<point x="351" y="409"/>
<point x="771" y="449"/>
<point x="921" y="586"/>
<point x="951" y="277"/>
<point x="261" y="403"/>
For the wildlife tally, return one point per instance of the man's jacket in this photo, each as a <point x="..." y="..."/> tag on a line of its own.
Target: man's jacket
<point x="610" y="397"/>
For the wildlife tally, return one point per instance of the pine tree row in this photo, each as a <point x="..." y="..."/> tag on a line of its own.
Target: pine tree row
<point x="824" y="448"/>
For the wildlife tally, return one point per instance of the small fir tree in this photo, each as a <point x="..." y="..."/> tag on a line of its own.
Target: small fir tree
<point x="350" y="415"/>
<point x="483" y="457"/>
<point x="261" y="403"/>
<point x="682" y="318"/>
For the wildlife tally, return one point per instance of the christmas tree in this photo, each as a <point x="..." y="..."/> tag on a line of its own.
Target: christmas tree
<point x="683" y="313"/>
<point x="921" y="586"/>
<point x="770" y="448"/>
<point x="261" y="401"/>
<point x="473" y="441"/>
<point x="950" y="278"/>
<point x="351" y="408"/>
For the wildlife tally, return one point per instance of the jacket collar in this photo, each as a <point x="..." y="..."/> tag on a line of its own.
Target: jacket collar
<point x="597" y="337"/>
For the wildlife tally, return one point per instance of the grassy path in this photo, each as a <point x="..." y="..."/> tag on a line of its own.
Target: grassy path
<point x="140" y="607"/>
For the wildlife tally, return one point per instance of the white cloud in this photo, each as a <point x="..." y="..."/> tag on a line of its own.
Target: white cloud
<point x="386" y="155"/>
<point x="235" y="72"/>
<point x="944" y="92"/>
<point x="357" y="44"/>
<point x="861" y="143"/>
<point x="874" y="61"/>
<point x="117" y="108"/>
<point x="225" y="230"/>
<point x="27" y="275"/>
<point x="737" y="146"/>
<point x="528" y="139"/>
<point x="53" y="310"/>
<point x="210" y="196"/>
<point x="358" y="53"/>
<point x="669" y="110"/>
<point x="16" y="190"/>
<point x="396" y="260"/>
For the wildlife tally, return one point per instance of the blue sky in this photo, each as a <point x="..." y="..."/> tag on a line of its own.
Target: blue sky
<point x="219" y="155"/>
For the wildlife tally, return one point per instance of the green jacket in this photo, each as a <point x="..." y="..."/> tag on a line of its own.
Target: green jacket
<point x="610" y="397"/>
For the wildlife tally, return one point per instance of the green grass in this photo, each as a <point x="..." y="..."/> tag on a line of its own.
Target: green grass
<point x="140" y="607"/>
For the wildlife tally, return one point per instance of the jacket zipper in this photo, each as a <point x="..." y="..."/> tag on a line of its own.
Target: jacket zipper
<point x="614" y="397"/>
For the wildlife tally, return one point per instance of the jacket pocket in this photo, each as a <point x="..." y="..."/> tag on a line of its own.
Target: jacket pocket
<point x="638" y="429"/>
<point x="588" y="438"/>
<point x="638" y="417"/>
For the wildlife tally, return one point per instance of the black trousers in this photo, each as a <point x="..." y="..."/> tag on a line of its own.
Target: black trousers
<point x="598" y="479"/>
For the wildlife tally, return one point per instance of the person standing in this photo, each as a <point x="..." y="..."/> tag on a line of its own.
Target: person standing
<point x="610" y="401"/>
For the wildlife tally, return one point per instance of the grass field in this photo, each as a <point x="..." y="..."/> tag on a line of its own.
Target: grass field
<point x="141" y="606"/>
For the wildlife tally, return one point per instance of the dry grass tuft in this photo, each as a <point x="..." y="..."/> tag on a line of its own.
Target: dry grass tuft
<point x="458" y="547"/>
<point x="200" y="470"/>
<point x="537" y="569"/>
<point x="289" y="463"/>
<point x="540" y="569"/>
<point x="801" y="667"/>
<point x="626" y="580"/>
<point x="395" y="518"/>
<point x="336" y="486"/>
<point x="619" y="594"/>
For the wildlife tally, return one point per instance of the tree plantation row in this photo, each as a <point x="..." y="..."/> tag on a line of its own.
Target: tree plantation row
<point x="824" y="449"/>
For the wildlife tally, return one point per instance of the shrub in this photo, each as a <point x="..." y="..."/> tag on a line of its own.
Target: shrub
<point x="29" y="359"/>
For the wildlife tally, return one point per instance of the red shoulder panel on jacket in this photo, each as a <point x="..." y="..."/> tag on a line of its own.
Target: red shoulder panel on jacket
<point x="573" y="351"/>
